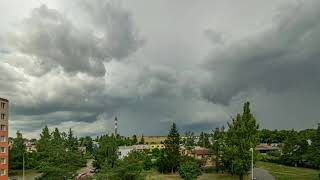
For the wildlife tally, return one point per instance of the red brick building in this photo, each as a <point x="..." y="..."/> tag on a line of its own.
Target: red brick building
<point x="4" y="158"/>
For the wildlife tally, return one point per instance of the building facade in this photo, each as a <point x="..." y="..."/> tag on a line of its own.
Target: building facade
<point x="4" y="151"/>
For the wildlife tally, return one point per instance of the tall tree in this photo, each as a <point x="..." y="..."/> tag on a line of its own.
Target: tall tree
<point x="72" y="142"/>
<point x="294" y="149"/>
<point x="107" y="152"/>
<point x="44" y="141"/>
<point x="314" y="150"/>
<point x="57" y="157"/>
<point x="88" y="143"/>
<point x="201" y="140"/>
<point x="16" y="152"/>
<point x="189" y="140"/>
<point x="241" y="136"/>
<point x="141" y="140"/>
<point x="218" y="148"/>
<point x="206" y="140"/>
<point x="172" y="147"/>
<point x="134" y="139"/>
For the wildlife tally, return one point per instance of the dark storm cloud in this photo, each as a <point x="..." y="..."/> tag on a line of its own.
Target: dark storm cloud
<point x="52" y="39"/>
<point x="81" y="63"/>
<point x="57" y="64"/>
<point x="201" y="126"/>
<point x="283" y="58"/>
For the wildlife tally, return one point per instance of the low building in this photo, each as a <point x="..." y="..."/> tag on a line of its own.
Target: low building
<point x="30" y="146"/>
<point x="124" y="151"/>
<point x="264" y="148"/>
<point x="154" y="139"/>
<point x="141" y="147"/>
<point x="156" y="146"/>
<point x="200" y="152"/>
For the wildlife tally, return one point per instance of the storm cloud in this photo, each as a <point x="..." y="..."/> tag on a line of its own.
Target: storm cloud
<point x="283" y="58"/>
<point x="78" y="64"/>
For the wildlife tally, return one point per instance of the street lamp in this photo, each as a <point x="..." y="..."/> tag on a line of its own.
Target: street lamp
<point x="23" y="166"/>
<point x="251" y="149"/>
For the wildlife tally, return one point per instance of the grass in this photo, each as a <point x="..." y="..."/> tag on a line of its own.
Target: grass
<point x="281" y="172"/>
<point x="154" y="175"/>
<point x="30" y="174"/>
<point x="207" y="176"/>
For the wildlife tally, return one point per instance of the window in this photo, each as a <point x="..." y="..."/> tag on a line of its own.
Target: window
<point x="3" y="160"/>
<point x="3" y="128"/>
<point x="3" y="139"/>
<point x="3" y="172"/>
<point x="2" y="105"/>
<point x="3" y="150"/>
<point x="2" y="116"/>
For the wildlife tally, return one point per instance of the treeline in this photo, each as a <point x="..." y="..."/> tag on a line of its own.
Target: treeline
<point x="57" y="154"/>
<point x="231" y="150"/>
<point x="298" y="149"/>
<point x="280" y="136"/>
<point x="137" y="163"/>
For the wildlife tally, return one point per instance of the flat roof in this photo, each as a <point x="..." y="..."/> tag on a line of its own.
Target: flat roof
<point x="3" y="99"/>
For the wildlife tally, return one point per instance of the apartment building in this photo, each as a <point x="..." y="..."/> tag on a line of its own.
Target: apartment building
<point x="4" y="158"/>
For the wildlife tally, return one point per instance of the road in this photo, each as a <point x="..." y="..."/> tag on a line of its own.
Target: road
<point x="262" y="174"/>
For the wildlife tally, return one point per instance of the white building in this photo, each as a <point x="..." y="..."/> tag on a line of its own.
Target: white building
<point x="123" y="151"/>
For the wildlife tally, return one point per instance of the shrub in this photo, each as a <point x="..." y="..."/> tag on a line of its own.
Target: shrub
<point x="189" y="168"/>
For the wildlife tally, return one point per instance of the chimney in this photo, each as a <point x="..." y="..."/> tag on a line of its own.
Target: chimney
<point x="116" y="127"/>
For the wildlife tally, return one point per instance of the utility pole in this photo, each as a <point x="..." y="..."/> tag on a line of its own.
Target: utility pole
<point x="251" y="149"/>
<point x="23" y="167"/>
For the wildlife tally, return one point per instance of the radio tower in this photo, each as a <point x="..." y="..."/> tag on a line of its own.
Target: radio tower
<point x="115" y="127"/>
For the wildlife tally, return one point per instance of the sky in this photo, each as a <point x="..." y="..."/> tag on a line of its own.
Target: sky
<point x="80" y="63"/>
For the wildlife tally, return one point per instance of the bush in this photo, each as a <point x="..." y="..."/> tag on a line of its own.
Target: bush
<point x="147" y="164"/>
<point x="129" y="168"/>
<point x="189" y="168"/>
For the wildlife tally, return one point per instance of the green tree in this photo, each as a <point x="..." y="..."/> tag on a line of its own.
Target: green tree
<point x="60" y="158"/>
<point x="206" y="140"/>
<point x="314" y="150"/>
<point x="172" y="148"/>
<point x="218" y="148"/>
<point x="189" y="140"/>
<point x="141" y="140"/>
<point x="134" y="139"/>
<point x="241" y="136"/>
<point x="71" y="141"/>
<point x="16" y="152"/>
<point x="107" y="152"/>
<point x="129" y="168"/>
<point x="88" y="143"/>
<point x="201" y="140"/>
<point x="147" y="163"/>
<point x="162" y="162"/>
<point x="44" y="144"/>
<point x="189" y="168"/>
<point x="294" y="149"/>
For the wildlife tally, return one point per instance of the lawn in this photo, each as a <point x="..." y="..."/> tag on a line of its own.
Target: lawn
<point x="154" y="175"/>
<point x="281" y="172"/>
<point x="30" y="174"/>
<point x="207" y="176"/>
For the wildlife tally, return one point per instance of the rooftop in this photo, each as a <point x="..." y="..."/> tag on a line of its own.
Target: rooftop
<point x="3" y="99"/>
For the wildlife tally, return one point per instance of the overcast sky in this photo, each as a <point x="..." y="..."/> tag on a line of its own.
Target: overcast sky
<point x="78" y="64"/>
